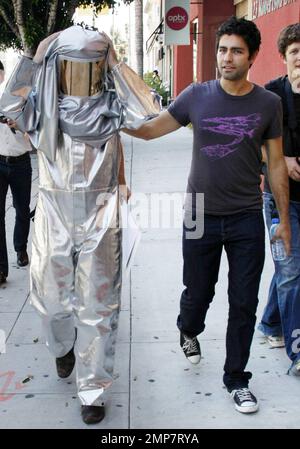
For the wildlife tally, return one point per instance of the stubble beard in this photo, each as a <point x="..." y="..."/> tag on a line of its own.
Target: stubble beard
<point x="233" y="76"/>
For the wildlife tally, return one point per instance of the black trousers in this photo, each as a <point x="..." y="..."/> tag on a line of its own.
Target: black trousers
<point x="17" y="176"/>
<point x="243" y="237"/>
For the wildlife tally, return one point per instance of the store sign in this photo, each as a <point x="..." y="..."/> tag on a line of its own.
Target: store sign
<point x="177" y="18"/>
<point x="177" y="22"/>
<point x="263" y="7"/>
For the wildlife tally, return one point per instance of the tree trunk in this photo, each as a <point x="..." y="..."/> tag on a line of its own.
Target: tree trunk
<point x="139" y="36"/>
<point x="28" y="51"/>
<point x="11" y="25"/>
<point x="52" y="16"/>
<point x="18" y="9"/>
<point x="71" y="8"/>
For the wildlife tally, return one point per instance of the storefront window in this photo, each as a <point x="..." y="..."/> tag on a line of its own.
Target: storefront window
<point x="242" y="8"/>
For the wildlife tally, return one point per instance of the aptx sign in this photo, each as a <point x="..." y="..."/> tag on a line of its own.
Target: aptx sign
<point x="177" y="24"/>
<point x="177" y="18"/>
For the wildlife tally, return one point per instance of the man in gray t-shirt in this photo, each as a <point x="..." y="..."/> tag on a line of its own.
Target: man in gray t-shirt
<point x="231" y="119"/>
<point x="228" y="134"/>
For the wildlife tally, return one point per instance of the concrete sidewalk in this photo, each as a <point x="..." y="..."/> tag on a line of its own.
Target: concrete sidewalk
<point x="155" y="386"/>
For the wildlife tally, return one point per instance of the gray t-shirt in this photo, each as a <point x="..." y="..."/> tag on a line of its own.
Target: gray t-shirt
<point x="228" y="133"/>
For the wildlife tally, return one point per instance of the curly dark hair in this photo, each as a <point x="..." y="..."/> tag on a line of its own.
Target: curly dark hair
<point x="288" y="36"/>
<point x="243" y="28"/>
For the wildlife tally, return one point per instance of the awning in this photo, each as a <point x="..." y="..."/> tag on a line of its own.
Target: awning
<point x="153" y="37"/>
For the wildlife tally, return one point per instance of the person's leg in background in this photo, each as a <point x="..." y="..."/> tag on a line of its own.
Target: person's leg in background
<point x="3" y="248"/>
<point x="284" y="295"/>
<point x="270" y="324"/>
<point x="288" y="289"/>
<point x="20" y="184"/>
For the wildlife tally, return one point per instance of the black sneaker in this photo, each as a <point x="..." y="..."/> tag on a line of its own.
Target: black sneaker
<point x="245" y="401"/>
<point x="92" y="414"/>
<point x="191" y="348"/>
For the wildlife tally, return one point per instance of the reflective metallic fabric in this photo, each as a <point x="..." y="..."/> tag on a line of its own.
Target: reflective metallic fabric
<point x="46" y="112"/>
<point x="76" y="258"/>
<point x="134" y="95"/>
<point x="76" y="249"/>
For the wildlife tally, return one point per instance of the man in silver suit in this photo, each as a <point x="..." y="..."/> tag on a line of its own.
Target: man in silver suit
<point x="72" y="99"/>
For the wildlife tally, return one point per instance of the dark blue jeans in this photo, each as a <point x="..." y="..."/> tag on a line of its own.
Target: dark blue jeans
<point x="243" y="237"/>
<point x="17" y="176"/>
<point x="282" y="313"/>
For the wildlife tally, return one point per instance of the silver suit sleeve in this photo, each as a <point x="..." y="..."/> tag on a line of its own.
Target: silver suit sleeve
<point x="17" y="101"/>
<point x="138" y="102"/>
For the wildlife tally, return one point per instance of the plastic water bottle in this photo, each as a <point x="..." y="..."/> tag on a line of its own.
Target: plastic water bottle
<point x="277" y="246"/>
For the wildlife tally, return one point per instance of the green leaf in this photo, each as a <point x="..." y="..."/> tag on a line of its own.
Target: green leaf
<point x="35" y="14"/>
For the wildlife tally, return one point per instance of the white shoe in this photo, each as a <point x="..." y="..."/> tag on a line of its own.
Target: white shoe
<point x="244" y="400"/>
<point x="276" y="341"/>
<point x="296" y="369"/>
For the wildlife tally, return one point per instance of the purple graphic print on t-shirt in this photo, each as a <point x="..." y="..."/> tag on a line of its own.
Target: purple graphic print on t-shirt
<point x="232" y="126"/>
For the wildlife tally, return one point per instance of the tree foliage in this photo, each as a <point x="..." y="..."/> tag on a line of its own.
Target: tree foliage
<point x="24" y="23"/>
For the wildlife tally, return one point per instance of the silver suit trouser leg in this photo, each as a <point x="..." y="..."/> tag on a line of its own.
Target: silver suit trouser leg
<point x="97" y="317"/>
<point x="76" y="283"/>
<point x="52" y="285"/>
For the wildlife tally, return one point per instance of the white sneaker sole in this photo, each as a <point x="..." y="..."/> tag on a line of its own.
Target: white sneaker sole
<point x="194" y="359"/>
<point x="276" y="343"/>
<point x="296" y="370"/>
<point x="247" y="409"/>
<point x="244" y="408"/>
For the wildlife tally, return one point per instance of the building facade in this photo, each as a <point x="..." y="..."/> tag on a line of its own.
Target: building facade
<point x="271" y="16"/>
<point x="180" y="65"/>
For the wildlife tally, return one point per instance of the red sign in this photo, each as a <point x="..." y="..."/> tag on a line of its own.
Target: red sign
<point x="177" y="18"/>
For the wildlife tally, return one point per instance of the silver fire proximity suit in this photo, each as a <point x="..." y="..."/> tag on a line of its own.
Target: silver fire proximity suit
<point x="76" y="248"/>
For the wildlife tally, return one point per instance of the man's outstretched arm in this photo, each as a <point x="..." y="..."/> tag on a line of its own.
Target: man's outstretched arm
<point x="163" y="124"/>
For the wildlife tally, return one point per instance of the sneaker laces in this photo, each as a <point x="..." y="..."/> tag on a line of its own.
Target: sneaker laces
<point x="244" y="394"/>
<point x="190" y="345"/>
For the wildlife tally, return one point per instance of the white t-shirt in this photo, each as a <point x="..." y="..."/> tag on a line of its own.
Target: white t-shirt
<point x="12" y="144"/>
